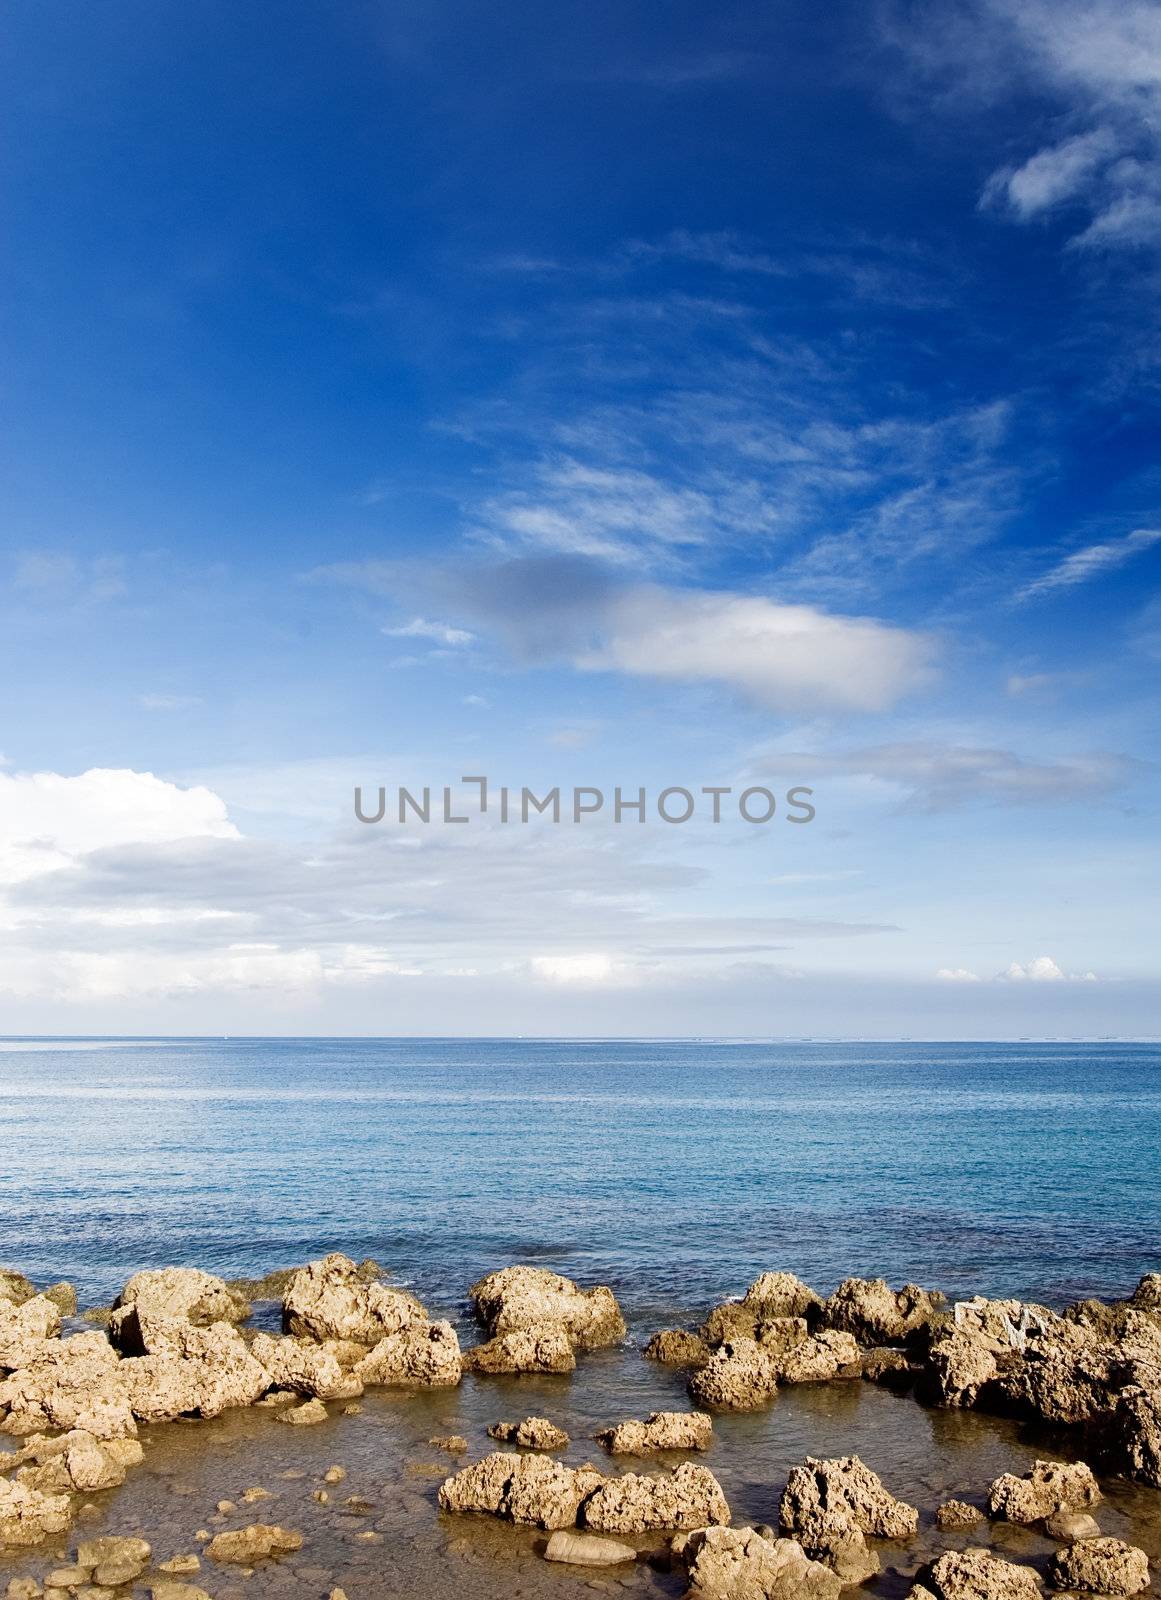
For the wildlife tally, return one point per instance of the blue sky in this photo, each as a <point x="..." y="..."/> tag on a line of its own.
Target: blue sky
<point x="580" y="395"/>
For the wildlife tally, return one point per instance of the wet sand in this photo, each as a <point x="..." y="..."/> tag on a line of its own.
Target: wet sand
<point x="924" y="1456"/>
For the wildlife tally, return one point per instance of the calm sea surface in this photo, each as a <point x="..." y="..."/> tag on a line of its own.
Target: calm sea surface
<point x="675" y="1171"/>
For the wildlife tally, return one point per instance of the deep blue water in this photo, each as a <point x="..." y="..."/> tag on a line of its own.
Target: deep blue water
<point x="673" y="1170"/>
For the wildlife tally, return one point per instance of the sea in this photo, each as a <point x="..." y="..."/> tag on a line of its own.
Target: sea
<point x="673" y="1170"/>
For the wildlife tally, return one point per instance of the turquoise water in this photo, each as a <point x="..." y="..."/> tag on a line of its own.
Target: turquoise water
<point x="673" y="1170"/>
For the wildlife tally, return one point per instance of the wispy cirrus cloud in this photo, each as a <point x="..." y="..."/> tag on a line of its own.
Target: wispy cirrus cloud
<point x="1091" y="562"/>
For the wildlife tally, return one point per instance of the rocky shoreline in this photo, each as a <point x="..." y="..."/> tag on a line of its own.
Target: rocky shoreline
<point x="178" y="1344"/>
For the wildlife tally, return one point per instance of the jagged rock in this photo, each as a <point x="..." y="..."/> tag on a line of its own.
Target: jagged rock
<point x="63" y="1296"/>
<point x="1132" y="1434"/>
<point x="874" y="1313"/>
<point x="846" y="1485"/>
<point x="190" y="1370"/>
<point x="740" y="1564"/>
<point x="729" y="1321"/>
<point x="816" y="1359"/>
<point x="1047" y="1487"/>
<point x="1147" y="1295"/>
<point x="533" y="1433"/>
<point x="781" y="1294"/>
<point x="691" y="1497"/>
<point x="273" y="1285"/>
<point x="959" y="1365"/>
<point x="244" y="1546"/>
<point x="76" y="1461"/>
<point x="70" y="1383"/>
<point x="546" y="1347"/>
<point x="661" y="1430"/>
<point x="978" y="1575"/>
<point x="424" y="1356"/>
<point x="1069" y="1525"/>
<point x="893" y="1368"/>
<point x="739" y="1376"/>
<point x="516" y="1298"/>
<point x="453" y="1443"/>
<point x="532" y="1490"/>
<point x="172" y="1293"/>
<point x="27" y="1516"/>
<point x="24" y="1328"/>
<point x="331" y="1299"/>
<point x="15" y="1288"/>
<point x="307" y="1368"/>
<point x="307" y="1415"/>
<point x="677" y="1347"/>
<point x="1100" y="1566"/>
<point x="587" y="1550"/>
<point x="954" y="1515"/>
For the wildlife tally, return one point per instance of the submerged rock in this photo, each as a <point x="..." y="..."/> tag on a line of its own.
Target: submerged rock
<point x="690" y="1497"/>
<point x="661" y="1430"/>
<point x="740" y="1564"/>
<point x="955" y="1515"/>
<point x="426" y="1355"/>
<point x="113" y="1560"/>
<point x="533" y="1433"/>
<point x="1046" y="1488"/>
<point x="518" y="1298"/>
<point x="544" y="1347"/>
<point x="587" y="1550"/>
<point x="76" y="1461"/>
<point x="244" y="1546"/>
<point x="332" y="1299"/>
<point x="307" y="1415"/>
<point x="677" y="1347"/>
<point x="1069" y="1525"/>
<point x="1100" y="1566"/>
<point x="532" y="1490"/>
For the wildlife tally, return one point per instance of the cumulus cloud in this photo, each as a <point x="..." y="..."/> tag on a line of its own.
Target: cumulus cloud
<point x="1092" y="561"/>
<point x="1043" y="970"/>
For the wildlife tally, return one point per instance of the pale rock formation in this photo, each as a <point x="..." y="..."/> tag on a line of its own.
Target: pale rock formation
<point x="978" y="1575"/>
<point x="1069" y="1525"/>
<point x="191" y="1371"/>
<point x="1046" y="1488"/>
<point x="76" y="1461"/>
<point x="845" y="1485"/>
<point x="781" y="1294"/>
<point x="740" y="1376"/>
<point x="70" y="1383"/>
<point x="332" y="1299"/>
<point x="27" y="1515"/>
<point x="960" y="1365"/>
<point x="955" y="1515"/>
<point x="690" y="1497"/>
<point x="24" y="1328"/>
<point x="172" y="1293"/>
<point x="740" y="1564"/>
<point x="306" y="1367"/>
<point x="113" y="1560"/>
<point x="544" y="1347"/>
<point x="426" y="1355"/>
<point x="307" y="1415"/>
<point x="532" y="1490"/>
<point x="517" y="1298"/>
<point x="1100" y="1566"/>
<point x="661" y="1430"/>
<point x="874" y="1313"/>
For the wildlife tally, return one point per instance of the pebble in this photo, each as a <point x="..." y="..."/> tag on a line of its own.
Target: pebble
<point x="256" y="1492"/>
<point x="66" y="1577"/>
<point x="353" y="1410"/>
<point x="320" y="1495"/>
<point x="180" y="1566"/>
<point x="226" y="1506"/>
<point x="334" y="1474"/>
<point x="305" y="1416"/>
<point x="369" y="1536"/>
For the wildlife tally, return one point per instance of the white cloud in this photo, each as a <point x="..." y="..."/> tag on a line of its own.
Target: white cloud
<point x="957" y="975"/>
<point x="593" y="970"/>
<point x="49" y="821"/>
<point x="1051" y="176"/>
<point x="421" y="628"/>
<point x="787" y="657"/>
<point x="1093" y="560"/>
<point x="1043" y="970"/>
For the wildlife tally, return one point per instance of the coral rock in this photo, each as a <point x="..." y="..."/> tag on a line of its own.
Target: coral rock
<point x="244" y="1546"/>
<point x="333" y="1299"/>
<point x="661" y="1430"/>
<point x="533" y="1433"/>
<point x="521" y="1297"/>
<point x="532" y="1490"/>
<point x="545" y="1347"/>
<point x="677" y="1347"/>
<point x="691" y="1497"/>
<point x="1047" y="1487"/>
<point x="740" y="1564"/>
<point x="426" y="1355"/>
<point x="1100" y="1566"/>
<point x="27" y="1515"/>
<point x="978" y="1575"/>
<point x="307" y="1368"/>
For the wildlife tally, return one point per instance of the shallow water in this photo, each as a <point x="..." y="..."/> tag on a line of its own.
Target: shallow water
<point x="925" y="1456"/>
